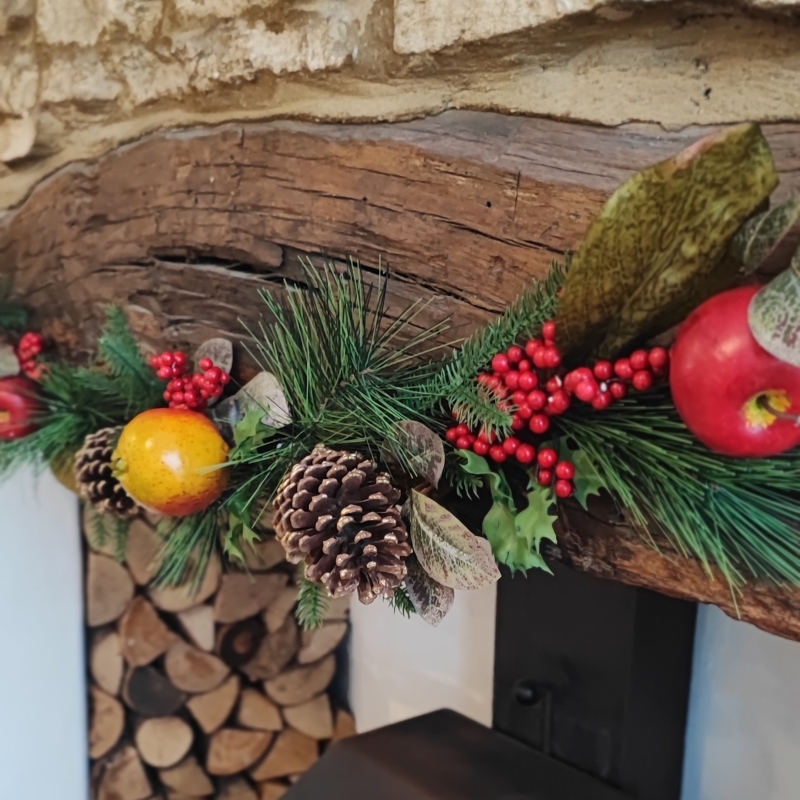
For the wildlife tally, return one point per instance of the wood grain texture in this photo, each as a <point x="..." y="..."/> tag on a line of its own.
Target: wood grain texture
<point x="182" y="229"/>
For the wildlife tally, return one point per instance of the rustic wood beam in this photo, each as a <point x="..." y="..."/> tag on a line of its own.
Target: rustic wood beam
<point x="181" y="229"/>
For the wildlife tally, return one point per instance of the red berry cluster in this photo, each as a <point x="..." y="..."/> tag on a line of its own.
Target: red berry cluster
<point x="29" y="348"/>
<point x="550" y="469"/>
<point x="184" y="391"/>
<point x="607" y="382"/>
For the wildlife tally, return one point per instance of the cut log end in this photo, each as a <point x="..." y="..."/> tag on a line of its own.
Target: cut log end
<point x="292" y="753"/>
<point x="109" y="589"/>
<point x="107" y="723"/>
<point x="192" y="670"/>
<point x="231" y="751"/>
<point x="163" y="741"/>
<point x="212" y="709"/>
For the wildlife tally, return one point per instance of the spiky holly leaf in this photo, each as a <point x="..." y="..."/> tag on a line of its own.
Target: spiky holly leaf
<point x="774" y="315"/>
<point x="448" y="551"/>
<point x="535" y="522"/>
<point x="587" y="479"/>
<point x="660" y="246"/>
<point x="477" y="465"/>
<point x="760" y="235"/>
<point x="431" y="599"/>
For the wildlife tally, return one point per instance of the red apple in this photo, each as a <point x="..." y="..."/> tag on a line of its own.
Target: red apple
<point x="724" y="383"/>
<point x="19" y="405"/>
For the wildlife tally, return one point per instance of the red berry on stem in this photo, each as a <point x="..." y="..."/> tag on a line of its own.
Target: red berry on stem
<point x="537" y="400"/>
<point x="496" y="453"/>
<point x="587" y="390"/>
<point x="642" y="380"/>
<point x="563" y="489"/>
<point x="480" y="447"/>
<point x="549" y="331"/>
<point x="451" y="435"/>
<point x="500" y="363"/>
<point x="463" y="443"/>
<point x="524" y="412"/>
<point x="511" y="379"/>
<point x="462" y="430"/>
<point x="155" y="362"/>
<point x="565" y="470"/>
<point x="519" y="397"/>
<point x="559" y="402"/>
<point x="540" y="358"/>
<point x="603" y="370"/>
<point x="524" y="365"/>
<point x="168" y="396"/>
<point x="525" y="453"/>
<point x="603" y="400"/>
<point x="510" y="445"/>
<point x="225" y="379"/>
<point x="494" y="383"/>
<point x="165" y="373"/>
<point x="618" y="390"/>
<point x="206" y="363"/>
<point x="553" y="385"/>
<point x="517" y="422"/>
<point x="544" y="477"/>
<point x="214" y="374"/>
<point x="552" y="357"/>
<point x="539" y="423"/>
<point x="547" y="457"/>
<point x="179" y="357"/>
<point x="623" y="369"/>
<point x="515" y="353"/>
<point x="532" y="346"/>
<point x="528" y="381"/>
<point x="658" y="358"/>
<point x="639" y="359"/>
<point x="177" y="397"/>
<point x="167" y="359"/>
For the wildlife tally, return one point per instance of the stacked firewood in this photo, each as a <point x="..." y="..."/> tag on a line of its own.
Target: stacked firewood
<point x="207" y="694"/>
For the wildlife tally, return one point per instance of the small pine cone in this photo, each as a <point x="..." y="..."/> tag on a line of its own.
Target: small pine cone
<point x="95" y="476"/>
<point x="339" y="515"/>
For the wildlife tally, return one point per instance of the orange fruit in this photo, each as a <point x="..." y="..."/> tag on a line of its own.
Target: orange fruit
<point x="165" y="459"/>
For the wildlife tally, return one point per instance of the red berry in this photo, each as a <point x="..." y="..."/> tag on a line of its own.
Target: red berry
<point x="515" y="353"/>
<point x="205" y="363"/>
<point x="500" y="363"/>
<point x="623" y="369"/>
<point x="225" y="379"/>
<point x="177" y="397"/>
<point x="190" y="397"/>
<point x="488" y="437"/>
<point x="603" y="400"/>
<point x="167" y="359"/>
<point x="587" y="390"/>
<point x="549" y="331"/>
<point x="539" y="423"/>
<point x="480" y="447"/>
<point x="452" y="435"/>
<point x="463" y="443"/>
<point x="496" y="453"/>
<point x="571" y="380"/>
<point x="494" y="383"/>
<point x="547" y="457"/>
<point x="519" y="397"/>
<point x="618" y="390"/>
<point x="565" y="470"/>
<point x="603" y="370"/>
<point x="552" y="357"/>
<point x="537" y="400"/>
<point x="642" y="380"/>
<point x="168" y="396"/>
<point x="553" y="385"/>
<point x="532" y="346"/>
<point x="214" y="374"/>
<point x="511" y="379"/>
<point x="510" y="445"/>
<point x="525" y="453"/>
<point x="658" y="358"/>
<point x="559" y="402"/>
<point x="517" y="422"/>
<point x="524" y="412"/>
<point x="540" y="358"/>
<point x="545" y="477"/>
<point x="639" y="359"/>
<point x="563" y="489"/>
<point x="528" y="381"/>
<point x="179" y="357"/>
<point x="155" y="362"/>
<point x="524" y="365"/>
<point x="165" y="373"/>
<point x="462" y="430"/>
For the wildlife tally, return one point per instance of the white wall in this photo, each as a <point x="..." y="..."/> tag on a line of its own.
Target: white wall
<point x="42" y="688"/>
<point x="401" y="668"/>
<point x="743" y="738"/>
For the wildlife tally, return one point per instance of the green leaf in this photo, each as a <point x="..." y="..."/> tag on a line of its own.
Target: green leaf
<point x="535" y="522"/>
<point x="500" y="528"/>
<point x="658" y="248"/>
<point x="248" y="426"/>
<point x="312" y="602"/>
<point x="498" y="485"/>
<point x="400" y="602"/>
<point x="760" y="235"/>
<point x="420" y="449"/>
<point x="587" y="479"/>
<point x="231" y="545"/>
<point x="431" y="599"/>
<point x="450" y="553"/>
<point x="774" y="315"/>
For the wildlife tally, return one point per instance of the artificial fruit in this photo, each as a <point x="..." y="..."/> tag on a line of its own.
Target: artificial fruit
<point x="19" y="405"/>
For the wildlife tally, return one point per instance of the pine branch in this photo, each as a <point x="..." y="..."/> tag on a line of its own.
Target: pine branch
<point x="400" y="602"/>
<point x="312" y="602"/>
<point x="189" y="544"/>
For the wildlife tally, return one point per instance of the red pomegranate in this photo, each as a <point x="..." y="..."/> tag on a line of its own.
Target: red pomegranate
<point x="19" y="405"/>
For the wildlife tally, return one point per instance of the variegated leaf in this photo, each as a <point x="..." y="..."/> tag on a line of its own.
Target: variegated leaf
<point x="219" y="350"/>
<point x="262" y="394"/>
<point x="431" y="599"/>
<point x="447" y="550"/>
<point x="761" y="234"/>
<point x="9" y="363"/>
<point x="424" y="448"/>
<point x="774" y="315"/>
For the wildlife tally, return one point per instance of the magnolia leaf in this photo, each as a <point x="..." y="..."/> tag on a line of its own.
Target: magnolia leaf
<point x="760" y="235"/>
<point x="659" y="247"/>
<point x="431" y="599"/>
<point x="424" y="448"/>
<point x="450" y="553"/>
<point x="219" y="350"/>
<point x="262" y="394"/>
<point x="536" y="522"/>
<point x="587" y="479"/>
<point x="9" y="363"/>
<point x="774" y="315"/>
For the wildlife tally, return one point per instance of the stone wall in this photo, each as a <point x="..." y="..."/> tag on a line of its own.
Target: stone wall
<point x="80" y="76"/>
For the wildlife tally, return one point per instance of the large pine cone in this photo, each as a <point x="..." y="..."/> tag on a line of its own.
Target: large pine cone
<point x="95" y="477"/>
<point x="339" y="515"/>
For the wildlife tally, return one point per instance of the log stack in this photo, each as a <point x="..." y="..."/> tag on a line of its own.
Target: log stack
<point x="211" y="694"/>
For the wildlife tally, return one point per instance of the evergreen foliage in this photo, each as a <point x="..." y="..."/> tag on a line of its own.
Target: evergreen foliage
<point x="312" y="602"/>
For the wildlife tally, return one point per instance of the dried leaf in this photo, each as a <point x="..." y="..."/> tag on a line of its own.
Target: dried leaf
<point x="219" y="350"/>
<point x="447" y="550"/>
<point x="9" y="363"/>
<point x="759" y="236"/>
<point x="659" y="247"/>
<point x="774" y="315"/>
<point x="263" y="394"/>
<point x="431" y="599"/>
<point x="425" y="449"/>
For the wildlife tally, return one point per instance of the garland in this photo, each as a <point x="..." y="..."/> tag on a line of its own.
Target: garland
<point x="345" y="442"/>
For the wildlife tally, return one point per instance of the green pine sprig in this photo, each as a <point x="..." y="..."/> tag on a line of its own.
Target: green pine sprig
<point x="400" y="602"/>
<point x="312" y="602"/>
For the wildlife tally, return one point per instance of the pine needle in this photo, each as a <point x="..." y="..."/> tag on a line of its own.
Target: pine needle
<point x="312" y="602"/>
<point x="400" y="602"/>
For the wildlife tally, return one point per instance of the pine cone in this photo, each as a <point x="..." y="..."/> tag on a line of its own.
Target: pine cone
<point x="339" y="515"/>
<point x="95" y="477"/>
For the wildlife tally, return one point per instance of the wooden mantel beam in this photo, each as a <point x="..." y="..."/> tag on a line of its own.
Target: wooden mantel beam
<point x="181" y="229"/>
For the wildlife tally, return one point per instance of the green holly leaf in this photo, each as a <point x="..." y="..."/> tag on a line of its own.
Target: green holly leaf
<point x="498" y="485"/>
<point x="587" y="479"/>
<point x="231" y="544"/>
<point x="535" y="522"/>
<point x="499" y="527"/>
<point x="249" y="427"/>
